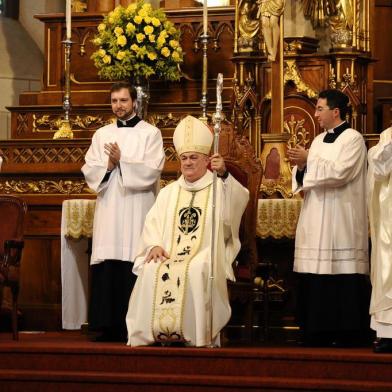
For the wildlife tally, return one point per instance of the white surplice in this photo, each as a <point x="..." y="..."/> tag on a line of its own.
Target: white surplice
<point x="380" y="216"/>
<point x="231" y="202"/>
<point x="332" y="230"/>
<point x="124" y="200"/>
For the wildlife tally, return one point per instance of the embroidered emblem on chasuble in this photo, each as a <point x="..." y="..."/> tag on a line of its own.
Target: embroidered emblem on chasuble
<point x="172" y="275"/>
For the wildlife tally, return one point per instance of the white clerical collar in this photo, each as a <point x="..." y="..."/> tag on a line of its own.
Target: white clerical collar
<point x="197" y="185"/>
<point x="130" y="118"/>
<point x="337" y="126"/>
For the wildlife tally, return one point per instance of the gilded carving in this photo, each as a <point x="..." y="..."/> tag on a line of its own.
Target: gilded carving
<point x="298" y="134"/>
<point x="164" y="182"/>
<point x="291" y="48"/>
<point x="63" y="187"/>
<point x="79" y="5"/>
<point x="332" y="78"/>
<point x="274" y="187"/>
<point x="166" y="120"/>
<point x="82" y="46"/>
<point x="50" y="123"/>
<point x="348" y="81"/>
<point x="292" y="74"/>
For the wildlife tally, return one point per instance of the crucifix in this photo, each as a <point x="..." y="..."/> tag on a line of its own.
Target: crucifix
<point x="271" y="16"/>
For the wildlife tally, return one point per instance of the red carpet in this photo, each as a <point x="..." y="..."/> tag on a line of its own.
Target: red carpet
<point x="67" y="361"/>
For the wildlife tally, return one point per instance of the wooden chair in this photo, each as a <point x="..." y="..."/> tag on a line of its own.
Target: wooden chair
<point x="247" y="169"/>
<point x="12" y="212"/>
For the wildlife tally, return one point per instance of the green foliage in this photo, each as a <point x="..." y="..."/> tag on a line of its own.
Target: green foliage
<point x="137" y="42"/>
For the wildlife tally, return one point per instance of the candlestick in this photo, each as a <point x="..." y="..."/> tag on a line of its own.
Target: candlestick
<point x="205" y="18"/>
<point x="68" y="19"/>
<point x="204" y="98"/>
<point x="65" y="130"/>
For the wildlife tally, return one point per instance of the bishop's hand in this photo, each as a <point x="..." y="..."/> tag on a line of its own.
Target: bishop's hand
<point x="218" y="164"/>
<point x="157" y="253"/>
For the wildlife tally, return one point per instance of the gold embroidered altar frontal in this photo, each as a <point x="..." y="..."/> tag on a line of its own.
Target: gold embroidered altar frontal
<point x="277" y="218"/>
<point x="78" y="215"/>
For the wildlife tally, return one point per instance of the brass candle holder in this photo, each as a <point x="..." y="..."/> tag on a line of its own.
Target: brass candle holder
<point x="65" y="130"/>
<point x="204" y="39"/>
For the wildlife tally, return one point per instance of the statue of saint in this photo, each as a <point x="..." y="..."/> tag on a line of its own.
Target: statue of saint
<point x="79" y="6"/>
<point x="248" y="25"/>
<point x="342" y="23"/>
<point x="269" y="13"/>
<point x="344" y="18"/>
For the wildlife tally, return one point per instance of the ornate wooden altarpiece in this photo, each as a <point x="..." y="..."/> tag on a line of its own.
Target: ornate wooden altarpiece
<point x="45" y="172"/>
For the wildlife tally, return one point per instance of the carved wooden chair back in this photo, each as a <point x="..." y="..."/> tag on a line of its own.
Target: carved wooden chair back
<point x="12" y="212"/>
<point x="243" y="165"/>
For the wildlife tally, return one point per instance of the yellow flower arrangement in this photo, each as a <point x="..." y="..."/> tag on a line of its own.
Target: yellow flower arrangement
<point x="137" y="42"/>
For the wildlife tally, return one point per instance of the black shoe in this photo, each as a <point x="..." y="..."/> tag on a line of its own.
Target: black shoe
<point x="110" y="337"/>
<point x="102" y="338"/>
<point x="383" y="345"/>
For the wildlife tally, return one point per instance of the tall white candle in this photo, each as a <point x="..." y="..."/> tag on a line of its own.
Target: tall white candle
<point x="68" y="18"/>
<point x="205" y="19"/>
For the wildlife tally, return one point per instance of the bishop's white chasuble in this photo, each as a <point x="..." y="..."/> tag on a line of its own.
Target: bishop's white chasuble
<point x="171" y="299"/>
<point x="380" y="216"/>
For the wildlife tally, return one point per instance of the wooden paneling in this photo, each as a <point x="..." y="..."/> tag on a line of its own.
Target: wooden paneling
<point x="40" y="293"/>
<point x="44" y="173"/>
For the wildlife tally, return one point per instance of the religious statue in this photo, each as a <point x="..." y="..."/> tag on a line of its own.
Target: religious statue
<point x="269" y="13"/>
<point x="79" y="6"/>
<point x="338" y="13"/>
<point x="248" y="25"/>
<point x="318" y="11"/>
<point x="342" y="24"/>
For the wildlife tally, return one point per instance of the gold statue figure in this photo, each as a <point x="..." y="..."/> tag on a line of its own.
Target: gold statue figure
<point x="338" y="13"/>
<point x="342" y="24"/>
<point x="248" y="25"/>
<point x="79" y="6"/>
<point x="318" y="11"/>
<point x="270" y="12"/>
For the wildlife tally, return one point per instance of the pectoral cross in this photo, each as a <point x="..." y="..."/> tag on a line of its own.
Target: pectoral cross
<point x="187" y="222"/>
<point x="188" y="218"/>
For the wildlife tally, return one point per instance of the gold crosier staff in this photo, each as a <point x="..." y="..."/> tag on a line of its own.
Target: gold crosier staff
<point x="218" y="117"/>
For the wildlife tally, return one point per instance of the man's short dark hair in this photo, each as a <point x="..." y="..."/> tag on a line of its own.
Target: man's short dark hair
<point x="336" y="99"/>
<point x="124" y="84"/>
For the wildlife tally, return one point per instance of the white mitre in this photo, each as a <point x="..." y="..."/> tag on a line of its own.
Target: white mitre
<point x="192" y="135"/>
